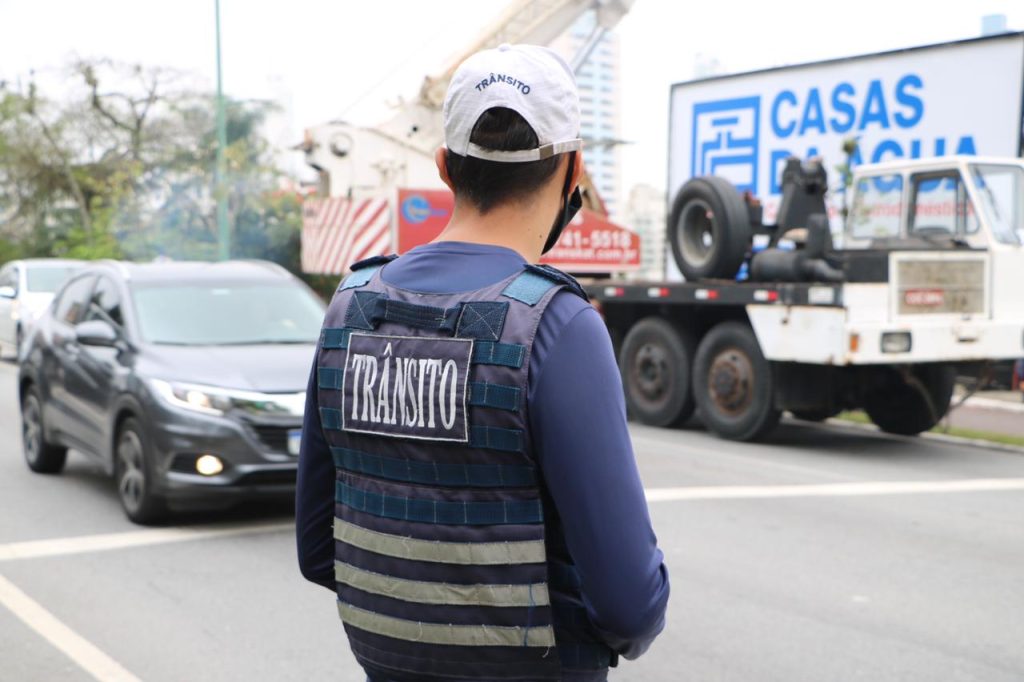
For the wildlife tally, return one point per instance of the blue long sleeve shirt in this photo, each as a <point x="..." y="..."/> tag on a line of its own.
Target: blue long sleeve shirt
<point x="578" y="424"/>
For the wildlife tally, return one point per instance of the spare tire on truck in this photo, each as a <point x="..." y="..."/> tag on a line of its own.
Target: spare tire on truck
<point x="655" y="364"/>
<point x="708" y="229"/>
<point x="912" y="401"/>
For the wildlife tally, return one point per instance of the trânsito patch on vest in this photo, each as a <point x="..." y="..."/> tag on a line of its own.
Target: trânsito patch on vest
<point x="406" y="387"/>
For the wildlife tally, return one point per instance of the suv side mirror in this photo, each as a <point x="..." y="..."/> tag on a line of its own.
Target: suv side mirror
<point x="96" y="333"/>
<point x="7" y="292"/>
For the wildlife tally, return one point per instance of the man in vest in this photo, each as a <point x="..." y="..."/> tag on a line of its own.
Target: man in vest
<point x="466" y="482"/>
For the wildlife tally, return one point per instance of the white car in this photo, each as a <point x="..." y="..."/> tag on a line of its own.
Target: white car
<point x="26" y="288"/>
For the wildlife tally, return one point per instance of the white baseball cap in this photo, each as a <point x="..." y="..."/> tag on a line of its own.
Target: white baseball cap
<point x="531" y="80"/>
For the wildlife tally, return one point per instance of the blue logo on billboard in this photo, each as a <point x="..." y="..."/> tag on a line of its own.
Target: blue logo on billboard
<point x="726" y="140"/>
<point x="416" y="209"/>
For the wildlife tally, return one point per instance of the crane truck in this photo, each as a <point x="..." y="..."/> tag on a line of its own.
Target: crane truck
<point x="924" y="275"/>
<point x="379" y="191"/>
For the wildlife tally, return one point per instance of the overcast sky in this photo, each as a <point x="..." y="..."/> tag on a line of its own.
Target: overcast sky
<point x="348" y="58"/>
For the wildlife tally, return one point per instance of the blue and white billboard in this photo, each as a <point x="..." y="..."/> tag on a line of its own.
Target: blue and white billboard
<point x="956" y="98"/>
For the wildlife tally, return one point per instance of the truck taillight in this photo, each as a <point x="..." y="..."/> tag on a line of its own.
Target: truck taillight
<point x="613" y="292"/>
<point x="706" y="294"/>
<point x="657" y="292"/>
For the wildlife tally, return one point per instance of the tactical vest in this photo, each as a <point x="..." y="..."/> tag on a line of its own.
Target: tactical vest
<point x="442" y="560"/>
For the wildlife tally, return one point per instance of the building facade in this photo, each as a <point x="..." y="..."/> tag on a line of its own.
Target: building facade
<point x="600" y="107"/>
<point x="644" y="213"/>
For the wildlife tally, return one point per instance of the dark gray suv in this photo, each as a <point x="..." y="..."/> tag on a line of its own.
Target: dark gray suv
<point x="186" y="381"/>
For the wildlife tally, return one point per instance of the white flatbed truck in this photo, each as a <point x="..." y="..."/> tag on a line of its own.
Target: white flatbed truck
<point x="928" y="276"/>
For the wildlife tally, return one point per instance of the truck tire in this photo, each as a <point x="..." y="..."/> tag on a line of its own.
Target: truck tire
<point x="733" y="385"/>
<point x="708" y="229"/>
<point x="655" y="364"/>
<point x="911" y="402"/>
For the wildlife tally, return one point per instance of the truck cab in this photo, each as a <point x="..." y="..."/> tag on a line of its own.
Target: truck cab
<point x="966" y="201"/>
<point x="945" y="237"/>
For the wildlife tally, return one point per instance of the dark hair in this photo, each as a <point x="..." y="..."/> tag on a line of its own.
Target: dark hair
<point x="487" y="184"/>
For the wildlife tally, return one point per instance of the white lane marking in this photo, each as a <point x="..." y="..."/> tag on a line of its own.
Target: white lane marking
<point x="733" y="492"/>
<point x="35" y="549"/>
<point x="70" y="643"/>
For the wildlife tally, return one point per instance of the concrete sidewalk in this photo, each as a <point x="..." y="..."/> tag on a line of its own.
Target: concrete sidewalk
<point x="993" y="411"/>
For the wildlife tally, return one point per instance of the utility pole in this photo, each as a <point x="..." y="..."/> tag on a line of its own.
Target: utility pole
<point x="220" y="189"/>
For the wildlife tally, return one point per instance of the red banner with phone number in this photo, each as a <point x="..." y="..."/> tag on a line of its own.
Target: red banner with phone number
<point x="589" y="243"/>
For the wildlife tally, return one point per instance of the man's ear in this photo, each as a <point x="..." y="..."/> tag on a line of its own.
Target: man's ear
<point x="442" y="170"/>
<point x="577" y="171"/>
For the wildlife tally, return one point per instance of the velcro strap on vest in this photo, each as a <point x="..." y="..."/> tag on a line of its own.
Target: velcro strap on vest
<point x="496" y="438"/>
<point x="415" y="315"/>
<point x="330" y="418"/>
<point x="503" y="354"/>
<point x="439" y="511"/>
<point x="328" y="377"/>
<point x="439" y="473"/>
<point x="481" y="320"/>
<point x="529" y="288"/>
<point x="444" y="633"/>
<point x="425" y="592"/>
<point x="483" y="394"/>
<point x="359" y="277"/>
<point x="461" y="553"/>
<point x="484" y="352"/>
<point x="334" y="338"/>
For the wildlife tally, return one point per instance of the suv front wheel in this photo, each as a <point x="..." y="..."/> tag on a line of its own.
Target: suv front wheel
<point x="133" y="467"/>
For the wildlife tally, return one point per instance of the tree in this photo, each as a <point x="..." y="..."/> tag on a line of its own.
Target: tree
<point x="123" y="167"/>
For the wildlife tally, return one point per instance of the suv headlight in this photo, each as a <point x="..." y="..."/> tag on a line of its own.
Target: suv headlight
<point x="205" y="399"/>
<point x="217" y="401"/>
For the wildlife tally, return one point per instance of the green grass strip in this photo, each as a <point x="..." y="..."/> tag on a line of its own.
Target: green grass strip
<point x="858" y="417"/>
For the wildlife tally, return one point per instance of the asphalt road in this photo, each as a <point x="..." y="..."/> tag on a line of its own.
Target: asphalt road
<point x="831" y="554"/>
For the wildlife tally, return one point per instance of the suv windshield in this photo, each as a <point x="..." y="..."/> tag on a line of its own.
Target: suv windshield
<point x="227" y="313"/>
<point x="1001" y="191"/>
<point x="47" y="278"/>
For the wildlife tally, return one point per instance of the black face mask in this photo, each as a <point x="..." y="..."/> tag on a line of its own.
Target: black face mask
<point x="572" y="204"/>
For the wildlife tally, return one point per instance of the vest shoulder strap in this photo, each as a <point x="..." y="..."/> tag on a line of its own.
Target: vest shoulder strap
<point x="362" y="271"/>
<point x="536" y="280"/>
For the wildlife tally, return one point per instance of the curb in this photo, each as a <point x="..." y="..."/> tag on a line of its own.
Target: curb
<point x="931" y="435"/>
<point x="992" y="404"/>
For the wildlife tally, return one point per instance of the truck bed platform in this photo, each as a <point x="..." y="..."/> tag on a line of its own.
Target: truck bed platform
<point x="717" y="292"/>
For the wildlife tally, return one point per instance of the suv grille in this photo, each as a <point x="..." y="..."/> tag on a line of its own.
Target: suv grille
<point x="273" y="438"/>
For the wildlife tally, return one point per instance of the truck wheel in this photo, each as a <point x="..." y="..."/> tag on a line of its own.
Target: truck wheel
<point x="732" y="384"/>
<point x="708" y="229"/>
<point x="655" y="366"/>
<point x="911" y="402"/>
